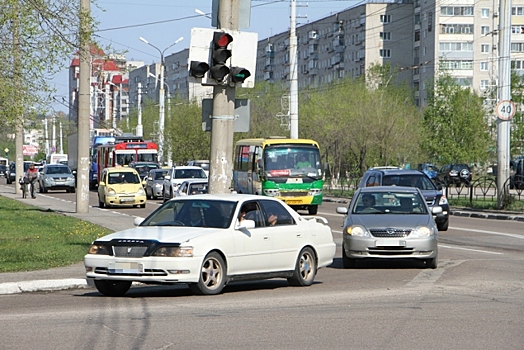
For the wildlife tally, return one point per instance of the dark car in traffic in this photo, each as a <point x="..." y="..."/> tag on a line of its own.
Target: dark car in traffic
<point x="411" y="178"/>
<point x="455" y="174"/>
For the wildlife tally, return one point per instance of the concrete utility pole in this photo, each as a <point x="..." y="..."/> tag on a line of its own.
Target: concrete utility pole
<point x="220" y="163"/>
<point x="293" y="74"/>
<point x="19" y="122"/>
<point x="82" y="176"/>
<point x="504" y="94"/>
<point x="139" y="127"/>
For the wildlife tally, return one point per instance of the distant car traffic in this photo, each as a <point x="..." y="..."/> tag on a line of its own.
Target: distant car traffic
<point x="389" y="222"/>
<point x="155" y="183"/>
<point x="3" y="170"/>
<point x="204" y="164"/>
<point x="192" y="187"/>
<point x="429" y="169"/>
<point x="121" y="186"/>
<point x="414" y="178"/>
<point x="11" y="172"/>
<point x="207" y="241"/>
<point x="179" y="174"/>
<point x="143" y="168"/>
<point x="56" y="177"/>
<point x="455" y="174"/>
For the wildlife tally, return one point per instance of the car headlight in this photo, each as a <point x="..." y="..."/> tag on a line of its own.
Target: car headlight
<point x="272" y="192"/>
<point x="100" y="249"/>
<point x="140" y="191"/>
<point x="422" y="231"/>
<point x="443" y="200"/>
<point x="158" y="186"/>
<point x="111" y="191"/>
<point x="357" y="231"/>
<point x="70" y="178"/>
<point x="174" y="252"/>
<point x="48" y="179"/>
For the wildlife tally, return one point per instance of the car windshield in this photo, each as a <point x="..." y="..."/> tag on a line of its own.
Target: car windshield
<point x="390" y="202"/>
<point x="58" y="170"/>
<point x="194" y="213"/>
<point x="159" y="175"/>
<point x="123" y="178"/>
<point x="459" y="167"/>
<point x="190" y="174"/>
<point x="412" y="180"/>
<point x="197" y="188"/>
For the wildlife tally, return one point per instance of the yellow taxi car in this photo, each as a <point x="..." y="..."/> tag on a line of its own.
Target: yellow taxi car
<point x="121" y="187"/>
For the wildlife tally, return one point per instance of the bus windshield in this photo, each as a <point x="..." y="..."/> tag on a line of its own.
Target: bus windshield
<point x="292" y="160"/>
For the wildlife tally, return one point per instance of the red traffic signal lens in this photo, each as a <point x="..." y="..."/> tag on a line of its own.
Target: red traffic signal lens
<point x="221" y="39"/>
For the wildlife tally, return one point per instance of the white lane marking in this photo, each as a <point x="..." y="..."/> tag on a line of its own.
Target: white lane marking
<point x="514" y="235"/>
<point x="427" y="277"/>
<point x="469" y="249"/>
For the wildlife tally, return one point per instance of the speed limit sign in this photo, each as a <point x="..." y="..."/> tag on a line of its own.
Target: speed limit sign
<point x="506" y="110"/>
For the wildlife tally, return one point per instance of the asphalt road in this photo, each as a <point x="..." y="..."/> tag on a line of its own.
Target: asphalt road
<point x="474" y="300"/>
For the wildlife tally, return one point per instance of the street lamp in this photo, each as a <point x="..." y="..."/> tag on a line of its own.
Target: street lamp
<point x="161" y="98"/>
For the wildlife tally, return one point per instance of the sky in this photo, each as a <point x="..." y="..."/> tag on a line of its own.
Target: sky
<point x="161" y="22"/>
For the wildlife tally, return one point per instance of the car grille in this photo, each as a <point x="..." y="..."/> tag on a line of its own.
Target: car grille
<point x="293" y="193"/>
<point x="390" y="232"/>
<point x="129" y="251"/>
<point x="147" y="272"/>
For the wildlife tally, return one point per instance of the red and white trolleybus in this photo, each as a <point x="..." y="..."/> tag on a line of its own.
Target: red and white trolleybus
<point x="125" y="151"/>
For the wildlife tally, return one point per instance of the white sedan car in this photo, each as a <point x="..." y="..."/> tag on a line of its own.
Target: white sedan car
<point x="207" y="241"/>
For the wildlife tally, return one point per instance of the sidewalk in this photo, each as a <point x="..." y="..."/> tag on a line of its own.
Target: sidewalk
<point x="68" y="277"/>
<point x="71" y="277"/>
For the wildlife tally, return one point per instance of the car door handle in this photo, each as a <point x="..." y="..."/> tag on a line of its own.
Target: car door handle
<point x="266" y="238"/>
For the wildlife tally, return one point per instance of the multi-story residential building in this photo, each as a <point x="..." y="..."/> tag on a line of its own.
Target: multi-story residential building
<point x="109" y="83"/>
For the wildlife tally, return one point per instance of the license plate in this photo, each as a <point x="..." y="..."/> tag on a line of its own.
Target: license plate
<point x="389" y="243"/>
<point x="122" y="200"/>
<point x="293" y="202"/>
<point x="125" y="268"/>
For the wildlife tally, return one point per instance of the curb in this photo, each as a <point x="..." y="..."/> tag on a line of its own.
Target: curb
<point x="42" y="285"/>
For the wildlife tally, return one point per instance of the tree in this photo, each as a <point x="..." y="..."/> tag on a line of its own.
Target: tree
<point x="455" y="122"/>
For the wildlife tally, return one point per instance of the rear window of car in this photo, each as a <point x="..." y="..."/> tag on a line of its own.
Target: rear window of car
<point x="411" y="180"/>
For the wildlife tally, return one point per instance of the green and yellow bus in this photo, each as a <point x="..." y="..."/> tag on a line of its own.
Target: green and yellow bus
<point x="288" y="169"/>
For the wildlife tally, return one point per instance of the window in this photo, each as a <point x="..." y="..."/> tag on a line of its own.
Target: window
<point x="456" y="11"/>
<point x="417" y="35"/>
<point x="484" y="30"/>
<point x="483" y="85"/>
<point x="517" y="47"/>
<point x="484" y="48"/>
<point x="386" y="36"/>
<point x="483" y="66"/>
<point x="385" y="53"/>
<point x="484" y="13"/>
<point x="517" y="11"/>
<point x="385" y="18"/>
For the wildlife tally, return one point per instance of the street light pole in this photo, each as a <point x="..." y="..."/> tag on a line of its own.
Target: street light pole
<point x="161" y="97"/>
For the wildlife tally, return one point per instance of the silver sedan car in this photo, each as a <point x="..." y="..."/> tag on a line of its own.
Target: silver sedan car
<point x="154" y="183"/>
<point x="389" y="222"/>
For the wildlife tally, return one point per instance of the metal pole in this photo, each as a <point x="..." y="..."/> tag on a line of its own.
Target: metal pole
<point x="161" y="98"/>
<point x="293" y="81"/>
<point x="221" y="155"/>
<point x="19" y="121"/>
<point x="504" y="93"/>
<point x="82" y="178"/>
<point x="61" y="140"/>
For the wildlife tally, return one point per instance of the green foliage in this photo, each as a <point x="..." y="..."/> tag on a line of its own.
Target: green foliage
<point x="517" y="123"/>
<point x="455" y="123"/>
<point x="44" y="239"/>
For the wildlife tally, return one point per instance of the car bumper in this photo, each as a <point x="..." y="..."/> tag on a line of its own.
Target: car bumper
<point x="390" y="248"/>
<point x="125" y="200"/>
<point x="146" y="269"/>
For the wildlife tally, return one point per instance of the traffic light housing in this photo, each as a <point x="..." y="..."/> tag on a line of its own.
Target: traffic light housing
<point x="220" y="54"/>
<point x="198" y="69"/>
<point x="238" y="74"/>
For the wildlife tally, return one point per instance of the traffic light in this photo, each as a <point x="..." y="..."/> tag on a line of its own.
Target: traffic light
<point x="220" y="55"/>
<point x="238" y="74"/>
<point x="198" y="69"/>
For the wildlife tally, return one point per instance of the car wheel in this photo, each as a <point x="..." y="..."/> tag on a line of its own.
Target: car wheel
<point x="432" y="263"/>
<point x="143" y="205"/>
<point x="347" y="263"/>
<point x="44" y="190"/>
<point x="443" y="226"/>
<point x="40" y="190"/>
<point x="312" y="209"/>
<point x="212" y="276"/>
<point x="100" y="203"/>
<point x="305" y="269"/>
<point x="112" y="288"/>
<point x="148" y="196"/>
<point x="164" y="197"/>
<point x="73" y="190"/>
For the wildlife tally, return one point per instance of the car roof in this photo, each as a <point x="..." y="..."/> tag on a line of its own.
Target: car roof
<point x="227" y="196"/>
<point x="399" y="171"/>
<point x="121" y="170"/>
<point x="388" y="189"/>
<point x="196" y="180"/>
<point x="182" y="167"/>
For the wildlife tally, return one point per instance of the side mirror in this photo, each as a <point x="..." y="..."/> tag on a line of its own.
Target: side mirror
<point x="342" y="210"/>
<point x="137" y="221"/>
<point x="167" y="177"/>
<point x="436" y="210"/>
<point x="102" y="183"/>
<point x="247" y="224"/>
